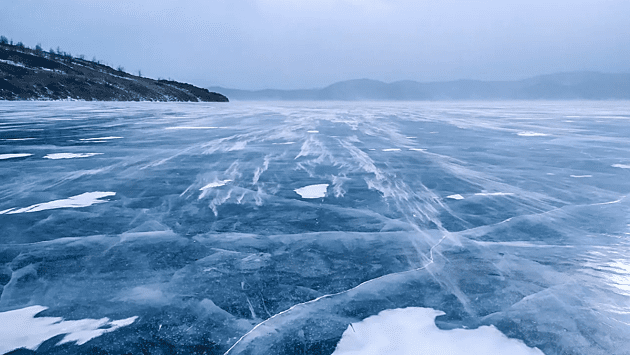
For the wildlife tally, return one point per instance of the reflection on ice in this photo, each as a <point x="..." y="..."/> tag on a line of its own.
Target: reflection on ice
<point x="411" y="331"/>
<point x="21" y="329"/>
<point x="312" y="191"/>
<point x="82" y="200"/>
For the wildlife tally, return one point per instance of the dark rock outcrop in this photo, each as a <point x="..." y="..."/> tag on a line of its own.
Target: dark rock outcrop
<point x="27" y="74"/>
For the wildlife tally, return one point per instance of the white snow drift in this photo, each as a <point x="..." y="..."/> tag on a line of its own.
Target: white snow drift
<point x="408" y="331"/>
<point x="21" y="329"/>
<point x="312" y="191"/>
<point x="70" y="155"/>
<point x="215" y="184"/>
<point x="531" y="134"/>
<point x="10" y="156"/>
<point x="82" y="200"/>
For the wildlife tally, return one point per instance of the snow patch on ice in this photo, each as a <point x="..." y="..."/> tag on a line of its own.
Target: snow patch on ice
<point x="312" y="131"/>
<point x="494" y="194"/>
<point x="192" y="127"/>
<point x="82" y="200"/>
<point x="215" y="184"/>
<point x="417" y="149"/>
<point x="18" y="139"/>
<point x="70" y="155"/>
<point x="531" y="134"/>
<point x="312" y="191"/>
<point x="622" y="166"/>
<point x="412" y="330"/>
<point x="10" y="156"/>
<point x="456" y="197"/>
<point x="581" y="176"/>
<point x="98" y="139"/>
<point x="21" y="329"/>
<point x="391" y="150"/>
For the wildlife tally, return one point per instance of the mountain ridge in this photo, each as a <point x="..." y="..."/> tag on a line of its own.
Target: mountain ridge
<point x="586" y="85"/>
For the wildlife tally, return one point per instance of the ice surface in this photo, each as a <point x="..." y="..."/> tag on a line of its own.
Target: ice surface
<point x="18" y="155"/>
<point x="312" y="191"/>
<point x="411" y="331"/>
<point x="252" y="266"/>
<point x="78" y="201"/>
<point x="70" y="155"/>
<point x="21" y="329"/>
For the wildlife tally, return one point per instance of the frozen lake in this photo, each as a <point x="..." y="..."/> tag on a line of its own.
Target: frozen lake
<point x="276" y="228"/>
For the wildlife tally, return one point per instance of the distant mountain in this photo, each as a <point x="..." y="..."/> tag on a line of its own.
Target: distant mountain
<point x="27" y="74"/>
<point x="561" y="86"/>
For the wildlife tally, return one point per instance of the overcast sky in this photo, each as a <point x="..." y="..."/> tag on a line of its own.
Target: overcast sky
<point x="253" y="44"/>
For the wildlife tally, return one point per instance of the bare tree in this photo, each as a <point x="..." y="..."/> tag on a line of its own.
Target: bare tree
<point x="4" y="40"/>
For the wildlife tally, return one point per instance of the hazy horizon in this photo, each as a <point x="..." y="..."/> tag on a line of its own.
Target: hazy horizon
<point x="278" y="44"/>
<point x="425" y="82"/>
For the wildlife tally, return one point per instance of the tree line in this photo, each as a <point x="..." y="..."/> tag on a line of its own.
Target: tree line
<point x="52" y="53"/>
